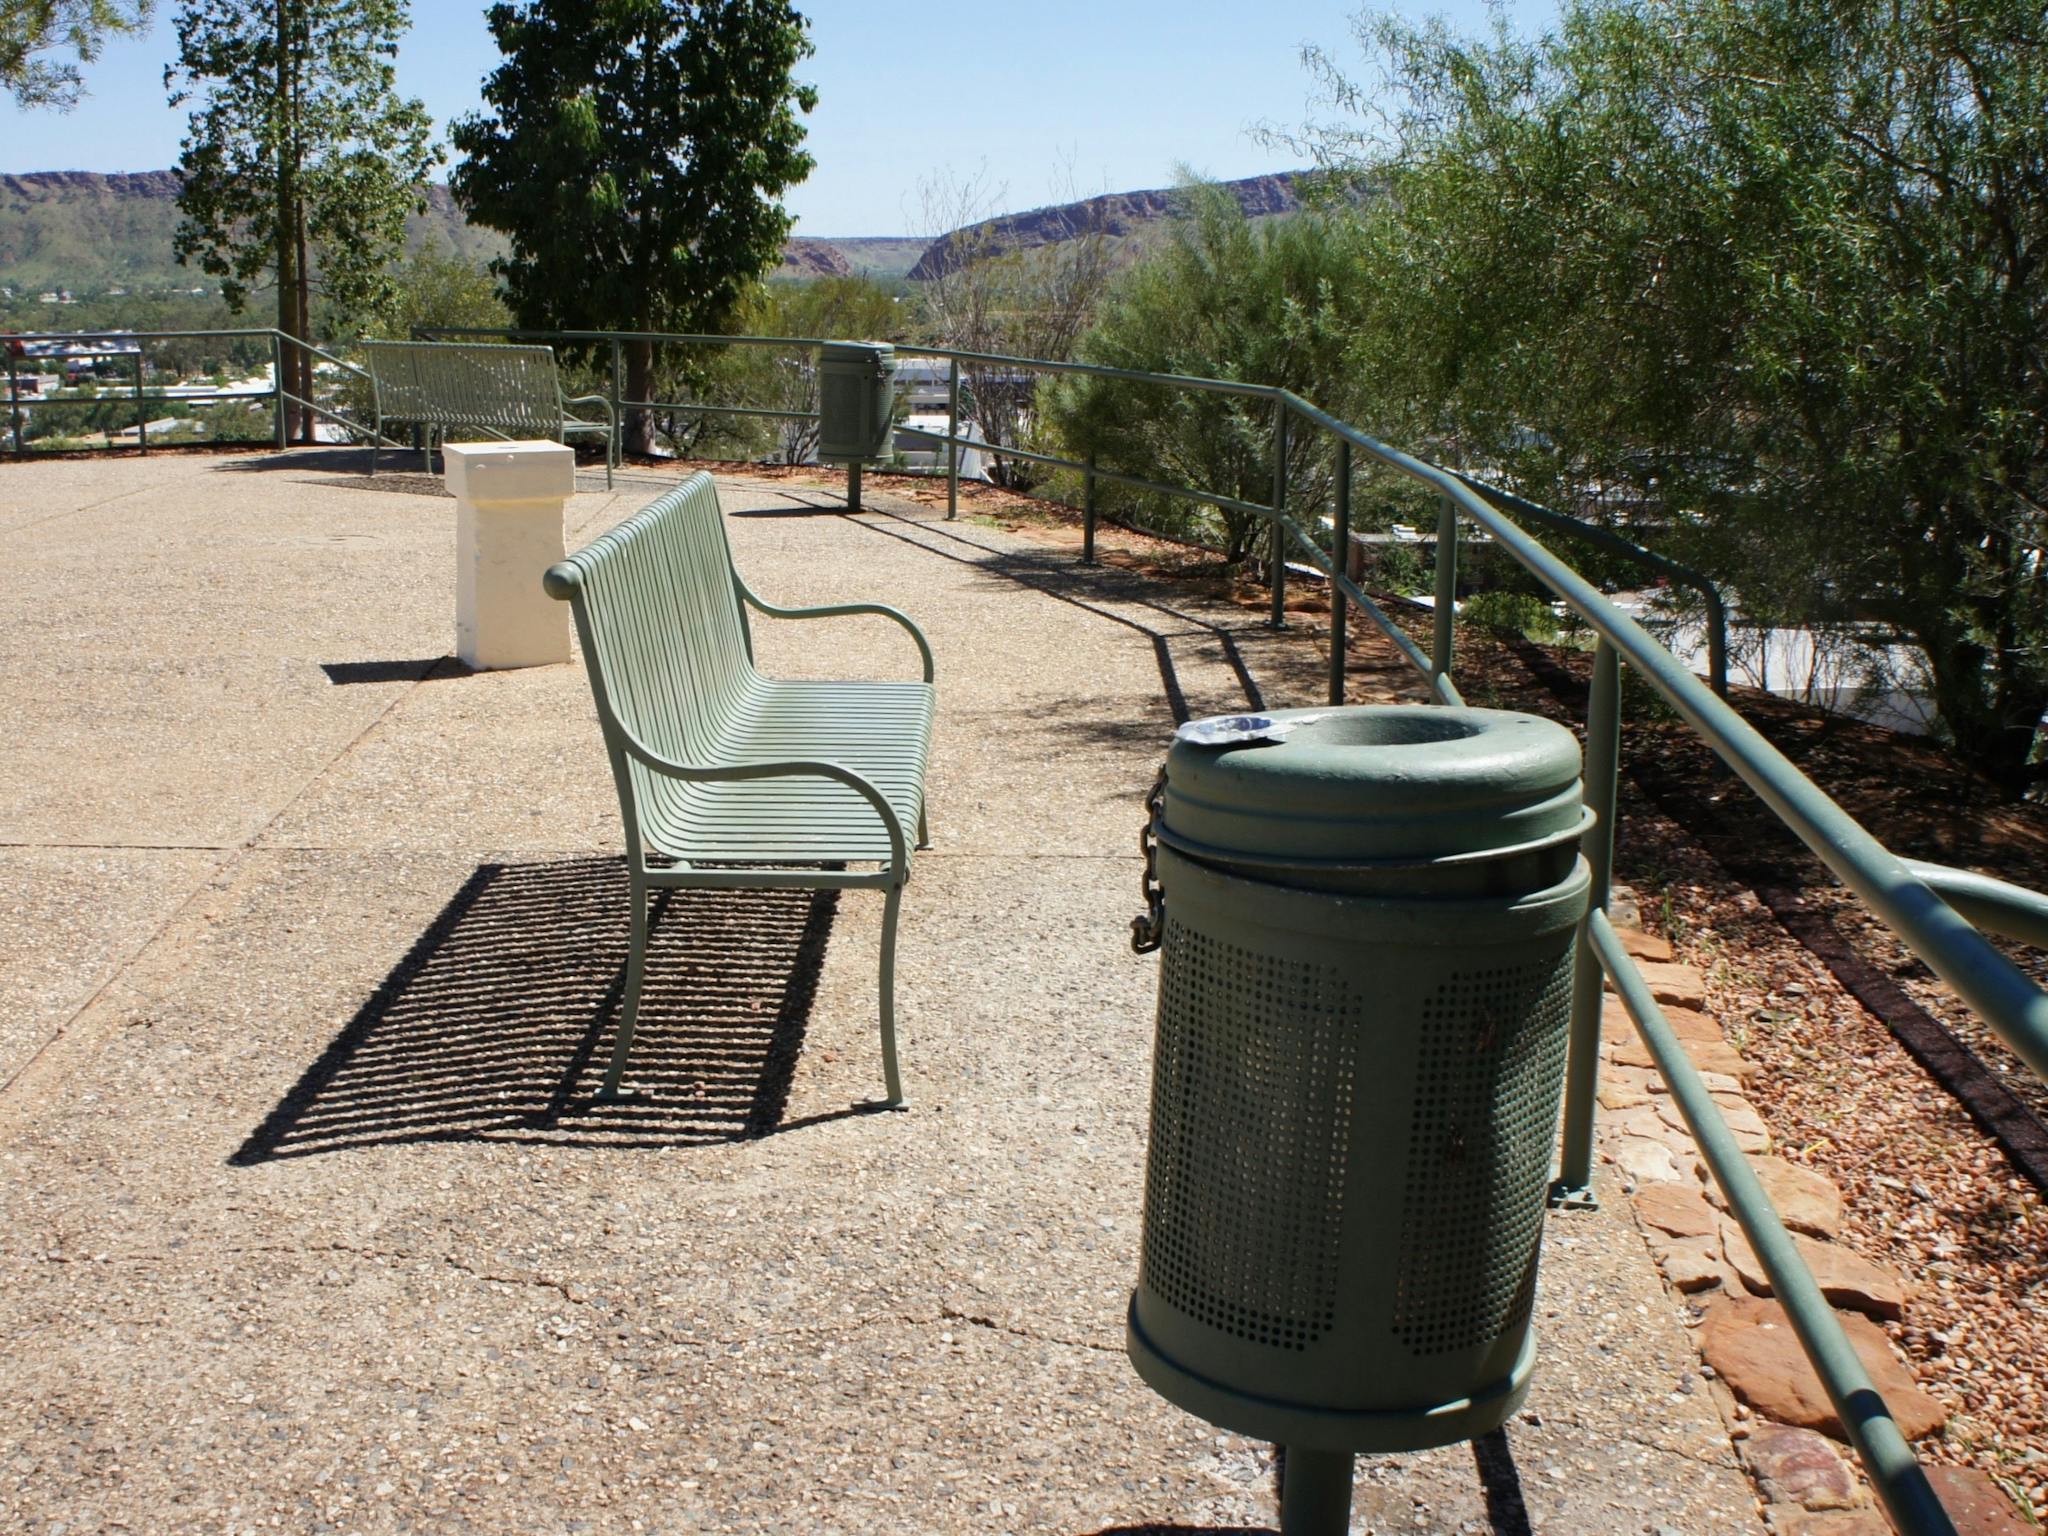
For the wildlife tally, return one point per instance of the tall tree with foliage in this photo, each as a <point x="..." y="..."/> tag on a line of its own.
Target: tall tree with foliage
<point x="32" y="30"/>
<point x="301" y="160"/>
<point x="635" y="152"/>
<point x="1767" y="275"/>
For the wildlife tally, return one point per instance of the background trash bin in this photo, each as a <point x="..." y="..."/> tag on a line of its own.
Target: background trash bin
<point x="856" y="399"/>
<point x="1364" y="1006"/>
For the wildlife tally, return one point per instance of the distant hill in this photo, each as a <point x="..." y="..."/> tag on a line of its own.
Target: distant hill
<point x="89" y="232"/>
<point x="1122" y="216"/>
<point x="883" y="257"/>
<point x="85" y="231"/>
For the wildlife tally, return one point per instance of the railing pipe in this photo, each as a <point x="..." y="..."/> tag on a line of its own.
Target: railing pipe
<point x="14" y="398"/>
<point x="1574" y="1187"/>
<point x="280" y="430"/>
<point x="1255" y="509"/>
<point x="2010" y="1003"/>
<point x="1279" y="517"/>
<point x="2004" y="908"/>
<point x="1088" y="512"/>
<point x="1901" y="1486"/>
<point x="1442" y="689"/>
<point x="1608" y="539"/>
<point x="1446" y="613"/>
<point x="141" y="412"/>
<point x="618" y="442"/>
<point x="1340" y="554"/>
<point x="952" y="440"/>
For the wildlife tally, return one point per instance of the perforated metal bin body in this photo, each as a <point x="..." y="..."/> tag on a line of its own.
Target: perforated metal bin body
<point x="856" y="399"/>
<point x="1364" y="1002"/>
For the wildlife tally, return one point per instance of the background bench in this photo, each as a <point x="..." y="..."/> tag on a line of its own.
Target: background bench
<point x="744" y="781"/>
<point x="470" y="392"/>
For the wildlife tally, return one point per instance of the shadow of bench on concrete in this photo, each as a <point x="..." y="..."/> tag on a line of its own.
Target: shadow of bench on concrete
<point x="496" y="1026"/>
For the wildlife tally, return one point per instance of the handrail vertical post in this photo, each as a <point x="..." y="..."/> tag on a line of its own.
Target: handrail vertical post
<point x="1574" y="1186"/>
<point x="1088" y="511"/>
<point x="14" y="396"/>
<point x="277" y="384"/>
<point x="853" y="486"/>
<point x="618" y="443"/>
<point x="1279" y="620"/>
<point x="1446" y="587"/>
<point x="1340" y="561"/>
<point x="953" y="440"/>
<point x="141" y="415"/>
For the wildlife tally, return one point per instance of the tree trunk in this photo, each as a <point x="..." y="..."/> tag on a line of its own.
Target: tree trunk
<point x="639" y="422"/>
<point x="1992" y="716"/>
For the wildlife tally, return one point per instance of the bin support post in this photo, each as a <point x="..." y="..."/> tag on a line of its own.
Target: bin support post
<point x="953" y="440"/>
<point x="1279" y="511"/>
<point x="1315" y="1493"/>
<point x="853" y="486"/>
<point x="1340" y="565"/>
<point x="1446" y="587"/>
<point x="1088" y="511"/>
<point x="1574" y="1187"/>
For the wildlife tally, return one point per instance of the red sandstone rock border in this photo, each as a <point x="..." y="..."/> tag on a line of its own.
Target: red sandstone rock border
<point x="1780" y="1416"/>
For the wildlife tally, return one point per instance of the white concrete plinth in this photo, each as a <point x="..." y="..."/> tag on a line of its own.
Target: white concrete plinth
<point x="508" y="531"/>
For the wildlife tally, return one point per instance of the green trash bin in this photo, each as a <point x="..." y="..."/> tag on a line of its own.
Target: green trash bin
<point x="856" y="399"/>
<point x="1364" y="1003"/>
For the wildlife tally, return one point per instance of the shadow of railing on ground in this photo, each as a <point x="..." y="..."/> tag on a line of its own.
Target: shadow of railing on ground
<point x="497" y="1025"/>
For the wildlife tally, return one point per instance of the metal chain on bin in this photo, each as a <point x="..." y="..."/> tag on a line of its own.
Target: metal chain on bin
<point x="1148" y="929"/>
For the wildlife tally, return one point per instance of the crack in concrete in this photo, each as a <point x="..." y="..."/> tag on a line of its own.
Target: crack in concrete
<point x="954" y="1315"/>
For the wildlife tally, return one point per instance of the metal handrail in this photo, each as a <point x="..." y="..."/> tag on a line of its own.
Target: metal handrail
<point x="277" y="394"/>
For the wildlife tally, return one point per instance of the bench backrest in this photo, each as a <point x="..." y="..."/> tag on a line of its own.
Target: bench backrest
<point x="514" y="391"/>
<point x="664" y="635"/>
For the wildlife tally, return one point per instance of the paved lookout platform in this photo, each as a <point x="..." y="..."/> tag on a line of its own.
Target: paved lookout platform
<point x="309" y="946"/>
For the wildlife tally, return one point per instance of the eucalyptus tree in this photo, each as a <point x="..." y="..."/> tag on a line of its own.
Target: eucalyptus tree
<point x="300" y="160"/>
<point x="32" y="31"/>
<point x="1764" y="274"/>
<point x="635" y="153"/>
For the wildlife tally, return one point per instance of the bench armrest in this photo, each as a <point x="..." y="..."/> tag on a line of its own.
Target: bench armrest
<point x="843" y="610"/>
<point x="899" y="858"/>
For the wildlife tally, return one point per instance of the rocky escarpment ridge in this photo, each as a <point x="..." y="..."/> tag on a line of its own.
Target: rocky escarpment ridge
<point x="803" y="258"/>
<point x="1117" y="215"/>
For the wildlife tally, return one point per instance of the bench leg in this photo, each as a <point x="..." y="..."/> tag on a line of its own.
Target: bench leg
<point x="629" y="1004"/>
<point x="891" y="1081"/>
<point x="924" y="829"/>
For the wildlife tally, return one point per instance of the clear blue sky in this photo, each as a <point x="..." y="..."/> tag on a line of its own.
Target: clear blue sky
<point x="1115" y="91"/>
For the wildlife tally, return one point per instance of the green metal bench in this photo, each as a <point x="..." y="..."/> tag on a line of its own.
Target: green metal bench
<point x="478" y="392"/>
<point x="742" y="781"/>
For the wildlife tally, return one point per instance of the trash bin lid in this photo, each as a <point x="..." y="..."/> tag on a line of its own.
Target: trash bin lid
<point x="1372" y="785"/>
<point x="878" y="356"/>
